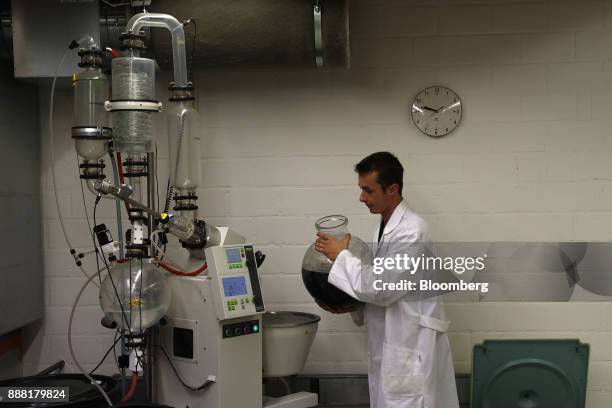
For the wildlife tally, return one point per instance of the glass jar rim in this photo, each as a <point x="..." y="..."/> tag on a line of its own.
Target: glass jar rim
<point x="332" y="221"/>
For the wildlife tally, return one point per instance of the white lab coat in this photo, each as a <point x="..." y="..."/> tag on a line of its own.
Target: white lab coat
<point x="410" y="363"/>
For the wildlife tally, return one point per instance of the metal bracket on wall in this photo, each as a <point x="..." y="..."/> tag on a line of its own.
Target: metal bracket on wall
<point x="318" y="35"/>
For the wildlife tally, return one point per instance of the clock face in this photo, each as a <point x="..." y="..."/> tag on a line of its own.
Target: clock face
<point x="436" y="111"/>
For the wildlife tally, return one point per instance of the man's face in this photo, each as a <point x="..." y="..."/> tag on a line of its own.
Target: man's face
<point x="372" y="193"/>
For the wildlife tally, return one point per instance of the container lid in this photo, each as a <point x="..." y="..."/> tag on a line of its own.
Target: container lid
<point x="288" y="319"/>
<point x="530" y="373"/>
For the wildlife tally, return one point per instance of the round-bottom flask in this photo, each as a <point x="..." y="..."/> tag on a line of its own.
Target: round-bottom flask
<point x="137" y="296"/>
<point x="316" y="266"/>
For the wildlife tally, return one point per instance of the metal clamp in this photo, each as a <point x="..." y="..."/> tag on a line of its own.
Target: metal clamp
<point x="91" y="132"/>
<point x="150" y="106"/>
<point x="124" y="191"/>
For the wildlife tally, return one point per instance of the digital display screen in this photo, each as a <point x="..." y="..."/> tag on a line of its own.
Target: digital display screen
<point x="233" y="255"/>
<point x="234" y="286"/>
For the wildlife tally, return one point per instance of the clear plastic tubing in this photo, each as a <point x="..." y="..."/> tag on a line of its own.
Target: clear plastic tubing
<point x="179" y="59"/>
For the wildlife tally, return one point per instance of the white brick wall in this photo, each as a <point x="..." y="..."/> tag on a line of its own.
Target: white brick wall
<point x="529" y="162"/>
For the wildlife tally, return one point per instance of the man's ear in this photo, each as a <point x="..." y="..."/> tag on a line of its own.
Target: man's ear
<point x="393" y="188"/>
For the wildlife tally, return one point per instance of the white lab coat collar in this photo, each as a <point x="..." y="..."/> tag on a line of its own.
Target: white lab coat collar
<point x="393" y="222"/>
<point x="396" y="217"/>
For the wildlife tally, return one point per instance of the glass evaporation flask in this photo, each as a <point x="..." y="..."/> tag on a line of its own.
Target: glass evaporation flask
<point x="316" y="266"/>
<point x="137" y="296"/>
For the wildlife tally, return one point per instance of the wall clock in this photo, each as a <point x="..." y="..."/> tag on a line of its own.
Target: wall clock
<point x="436" y="111"/>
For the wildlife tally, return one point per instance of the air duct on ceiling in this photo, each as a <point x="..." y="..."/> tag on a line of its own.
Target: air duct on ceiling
<point x="229" y="33"/>
<point x="257" y="32"/>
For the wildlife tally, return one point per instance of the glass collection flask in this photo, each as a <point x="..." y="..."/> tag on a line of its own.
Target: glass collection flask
<point x="90" y="128"/>
<point x="316" y="266"/>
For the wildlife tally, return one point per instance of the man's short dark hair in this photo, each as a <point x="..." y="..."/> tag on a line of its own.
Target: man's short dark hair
<point x="386" y="165"/>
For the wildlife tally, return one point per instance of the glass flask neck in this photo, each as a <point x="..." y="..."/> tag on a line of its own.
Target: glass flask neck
<point x="335" y="225"/>
<point x="185" y="103"/>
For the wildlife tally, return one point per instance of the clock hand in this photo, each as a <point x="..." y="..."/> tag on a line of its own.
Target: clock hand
<point x="445" y="108"/>
<point x="429" y="109"/>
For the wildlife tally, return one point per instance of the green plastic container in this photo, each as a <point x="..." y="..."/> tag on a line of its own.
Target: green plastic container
<point x="529" y="374"/>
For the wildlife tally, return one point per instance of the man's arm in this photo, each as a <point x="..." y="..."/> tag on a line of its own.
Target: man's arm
<point x="359" y="281"/>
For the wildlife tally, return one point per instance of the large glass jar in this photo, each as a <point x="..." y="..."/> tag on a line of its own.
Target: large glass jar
<point x="316" y="266"/>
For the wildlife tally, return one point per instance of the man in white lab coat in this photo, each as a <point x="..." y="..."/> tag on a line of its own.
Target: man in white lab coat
<point x="410" y="363"/>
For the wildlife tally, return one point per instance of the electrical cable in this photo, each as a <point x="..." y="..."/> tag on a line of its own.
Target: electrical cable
<point x="211" y="378"/>
<point x="111" y="348"/>
<point x="115" y="355"/>
<point x="110" y="275"/>
<point x="164" y="252"/>
<point x="93" y="237"/>
<point x="72" y="354"/>
<point x="151" y="238"/>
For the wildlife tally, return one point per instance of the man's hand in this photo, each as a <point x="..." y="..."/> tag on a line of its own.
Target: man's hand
<point x="331" y="246"/>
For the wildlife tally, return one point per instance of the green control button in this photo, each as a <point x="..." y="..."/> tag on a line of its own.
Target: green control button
<point x="255" y="328"/>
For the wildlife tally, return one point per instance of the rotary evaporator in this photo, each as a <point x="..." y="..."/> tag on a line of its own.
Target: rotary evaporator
<point x="192" y="328"/>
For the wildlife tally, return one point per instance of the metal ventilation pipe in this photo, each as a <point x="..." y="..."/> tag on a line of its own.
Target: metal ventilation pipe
<point x="258" y="32"/>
